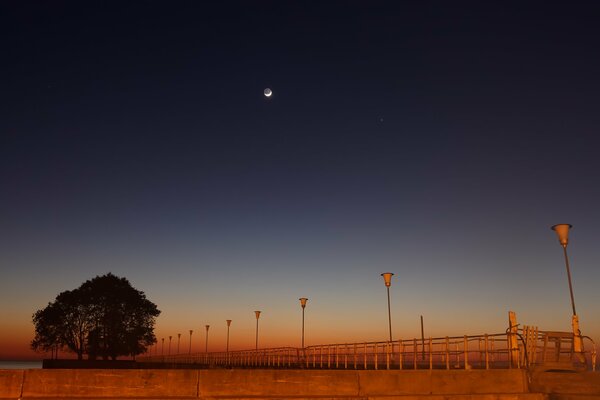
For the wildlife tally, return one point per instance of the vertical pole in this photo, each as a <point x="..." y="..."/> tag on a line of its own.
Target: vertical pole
<point x="569" y="278"/>
<point x="190" y="349"/>
<point x="466" y="349"/>
<point x="387" y="279"/>
<point x="387" y="355"/>
<point x="422" y="340"/>
<point x="178" y="341"/>
<point x="400" y="353"/>
<point x="389" y="312"/>
<point x="206" y="344"/>
<point x="415" y="353"/>
<point x="228" y="325"/>
<point x="228" y="356"/>
<point x="303" y="301"/>
<point x="257" y="313"/>
<point x="512" y="339"/>
<point x="302" y="327"/>
<point x="447" y="352"/>
<point x="487" y="357"/>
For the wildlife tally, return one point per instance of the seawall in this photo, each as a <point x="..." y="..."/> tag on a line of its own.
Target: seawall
<point x="286" y="384"/>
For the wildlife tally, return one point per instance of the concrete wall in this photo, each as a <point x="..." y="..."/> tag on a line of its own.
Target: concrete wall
<point x="11" y="382"/>
<point x="567" y="384"/>
<point x="247" y="383"/>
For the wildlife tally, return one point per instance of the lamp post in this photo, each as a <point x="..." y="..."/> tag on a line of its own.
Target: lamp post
<point x="257" y="313"/>
<point x="228" y="325"/>
<point x="178" y="341"/>
<point x="303" y="301"/>
<point x="387" y="278"/>
<point x="562" y="231"/>
<point x="170" y="337"/>
<point x="190" y="350"/>
<point x="206" y="345"/>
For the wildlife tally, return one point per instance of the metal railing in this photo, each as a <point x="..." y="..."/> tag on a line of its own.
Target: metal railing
<point x="554" y="348"/>
<point x="488" y="351"/>
<point x="461" y="352"/>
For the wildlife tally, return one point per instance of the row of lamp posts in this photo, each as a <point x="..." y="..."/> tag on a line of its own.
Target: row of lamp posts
<point x="562" y="230"/>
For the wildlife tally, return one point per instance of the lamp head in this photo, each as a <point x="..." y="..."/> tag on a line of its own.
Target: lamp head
<point x="387" y="278"/>
<point x="303" y="301"/>
<point x="562" y="231"/>
<point x="228" y="322"/>
<point x="207" y="326"/>
<point x="257" y="313"/>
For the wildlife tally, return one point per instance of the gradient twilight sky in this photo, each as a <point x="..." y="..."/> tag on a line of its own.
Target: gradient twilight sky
<point x="437" y="140"/>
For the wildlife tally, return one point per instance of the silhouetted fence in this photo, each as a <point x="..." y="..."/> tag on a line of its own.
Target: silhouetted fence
<point x="505" y="350"/>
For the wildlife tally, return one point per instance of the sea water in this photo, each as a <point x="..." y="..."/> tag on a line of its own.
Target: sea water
<point x="9" y="364"/>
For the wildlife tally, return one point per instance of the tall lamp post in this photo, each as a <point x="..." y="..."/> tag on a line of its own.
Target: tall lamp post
<point x="206" y="344"/>
<point x="257" y="313"/>
<point x="562" y="231"/>
<point x="228" y="325"/>
<point x="387" y="278"/>
<point x="178" y="341"/>
<point x="303" y="301"/>
<point x="170" y="337"/>
<point x="190" y="349"/>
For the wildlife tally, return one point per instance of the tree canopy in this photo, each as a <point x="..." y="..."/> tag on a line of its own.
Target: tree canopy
<point x="103" y="318"/>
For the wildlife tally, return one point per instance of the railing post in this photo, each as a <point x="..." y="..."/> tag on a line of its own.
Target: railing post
<point x="480" y="351"/>
<point x="513" y="343"/>
<point x="430" y="353"/>
<point x="321" y="357"/>
<point x="414" y="353"/>
<point x="400" y="353"/>
<point x="387" y="356"/>
<point x="346" y="356"/>
<point x="376" y="359"/>
<point x="466" y="349"/>
<point x="447" y="352"/>
<point x="365" y="354"/>
<point x="487" y="356"/>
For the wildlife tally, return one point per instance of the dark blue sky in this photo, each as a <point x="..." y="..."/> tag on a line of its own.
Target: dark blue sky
<point x="438" y="140"/>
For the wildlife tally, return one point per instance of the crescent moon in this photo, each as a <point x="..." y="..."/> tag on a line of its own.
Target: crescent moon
<point x="268" y="92"/>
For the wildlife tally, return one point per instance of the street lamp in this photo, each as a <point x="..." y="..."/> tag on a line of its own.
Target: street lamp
<point x="303" y="301"/>
<point x="228" y="325"/>
<point x="190" y="350"/>
<point x="170" y="337"/>
<point x="178" y="341"/>
<point x="387" y="278"/>
<point x="562" y="231"/>
<point x="257" y="313"/>
<point x="206" y="345"/>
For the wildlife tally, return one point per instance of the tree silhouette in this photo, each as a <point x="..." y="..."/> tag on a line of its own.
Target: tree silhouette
<point x="105" y="317"/>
